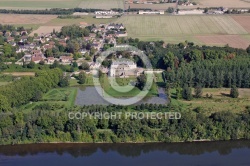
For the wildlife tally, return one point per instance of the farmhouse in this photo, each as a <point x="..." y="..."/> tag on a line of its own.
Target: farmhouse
<point x="123" y="68"/>
<point x="151" y="12"/>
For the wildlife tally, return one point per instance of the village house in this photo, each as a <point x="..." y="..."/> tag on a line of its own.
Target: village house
<point x="27" y="58"/>
<point x="37" y="57"/>
<point x="121" y="34"/>
<point x="115" y="26"/>
<point x="66" y="59"/>
<point x="23" y="39"/>
<point x="50" y="60"/>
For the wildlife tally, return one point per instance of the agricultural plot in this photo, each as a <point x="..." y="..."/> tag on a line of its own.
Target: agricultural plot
<point x="25" y="18"/>
<point x="46" y="29"/>
<point x="244" y="21"/>
<point x="235" y="41"/>
<point x="38" y="4"/>
<point x="174" y="29"/>
<point x="102" y="4"/>
<point x="47" y="4"/>
<point x="224" y="3"/>
<point x="162" y="6"/>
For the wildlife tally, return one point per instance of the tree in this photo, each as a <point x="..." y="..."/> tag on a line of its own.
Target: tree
<point x="187" y="93"/>
<point x="41" y="62"/>
<point x="198" y="91"/>
<point x="169" y="60"/>
<point x="248" y="49"/>
<point x="38" y="96"/>
<point x="75" y="64"/>
<point x="31" y="65"/>
<point x="82" y="77"/>
<point x="141" y="81"/>
<point x="234" y="93"/>
<point x="85" y="66"/>
<point x="4" y="104"/>
<point x="64" y="82"/>
<point x="170" y="10"/>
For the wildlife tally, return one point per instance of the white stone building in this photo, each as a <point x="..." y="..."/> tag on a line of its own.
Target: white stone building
<point x="123" y="68"/>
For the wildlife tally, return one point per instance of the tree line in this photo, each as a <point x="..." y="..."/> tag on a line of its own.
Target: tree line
<point x="48" y="126"/>
<point x="29" y="88"/>
<point x="54" y="11"/>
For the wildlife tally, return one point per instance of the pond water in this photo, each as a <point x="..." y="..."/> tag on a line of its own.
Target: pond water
<point x="229" y="153"/>
<point x="89" y="96"/>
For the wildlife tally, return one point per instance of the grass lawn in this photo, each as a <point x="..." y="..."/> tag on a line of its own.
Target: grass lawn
<point x="88" y="82"/>
<point x="125" y="87"/>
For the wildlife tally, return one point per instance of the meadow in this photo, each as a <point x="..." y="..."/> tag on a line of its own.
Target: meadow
<point x="220" y="101"/>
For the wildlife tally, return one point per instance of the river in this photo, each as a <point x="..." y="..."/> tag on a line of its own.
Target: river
<point x="228" y="153"/>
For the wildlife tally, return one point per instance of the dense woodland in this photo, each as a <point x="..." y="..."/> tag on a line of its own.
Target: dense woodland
<point x="43" y="125"/>
<point x="29" y="88"/>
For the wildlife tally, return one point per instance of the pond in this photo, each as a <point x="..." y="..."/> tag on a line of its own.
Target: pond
<point x="89" y="96"/>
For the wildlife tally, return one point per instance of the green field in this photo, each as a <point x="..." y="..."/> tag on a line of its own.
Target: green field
<point x="59" y="98"/>
<point x="88" y="82"/>
<point x="125" y="83"/>
<point x="43" y="4"/>
<point x="220" y="101"/>
<point x="179" y="28"/>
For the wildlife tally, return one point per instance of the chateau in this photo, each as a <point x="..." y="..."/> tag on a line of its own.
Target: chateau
<point x="123" y="68"/>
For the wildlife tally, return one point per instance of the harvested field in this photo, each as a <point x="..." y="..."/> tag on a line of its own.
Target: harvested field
<point x="163" y="26"/>
<point x="46" y="29"/>
<point x="244" y="21"/>
<point x="221" y="40"/>
<point x="101" y="4"/>
<point x="25" y="18"/>
<point x="162" y="6"/>
<point x="224" y="3"/>
<point x="38" y="4"/>
<point x="20" y="73"/>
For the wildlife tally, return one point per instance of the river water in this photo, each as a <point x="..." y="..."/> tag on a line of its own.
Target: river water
<point x="228" y="153"/>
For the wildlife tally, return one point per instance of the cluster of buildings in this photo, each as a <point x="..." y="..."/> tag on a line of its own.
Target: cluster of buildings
<point x="105" y="14"/>
<point x="33" y="48"/>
